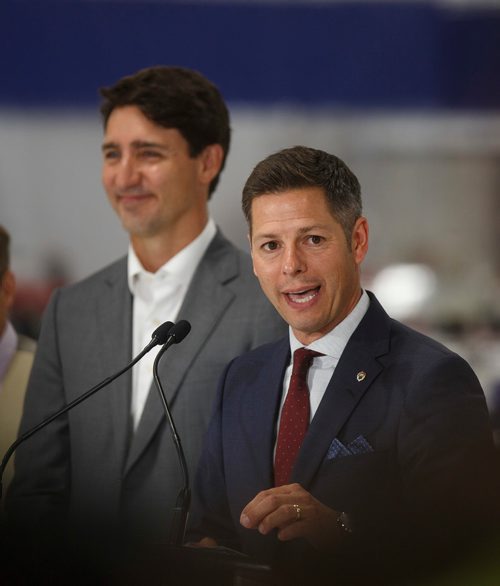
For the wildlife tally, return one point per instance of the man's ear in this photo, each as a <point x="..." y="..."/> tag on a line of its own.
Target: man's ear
<point x="249" y="236"/>
<point x="210" y="162"/>
<point x="359" y="239"/>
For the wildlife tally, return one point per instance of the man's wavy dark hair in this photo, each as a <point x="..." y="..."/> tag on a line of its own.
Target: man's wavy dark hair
<point x="175" y="97"/>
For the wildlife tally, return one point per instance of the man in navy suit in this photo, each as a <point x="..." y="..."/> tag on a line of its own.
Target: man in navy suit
<point x="396" y="469"/>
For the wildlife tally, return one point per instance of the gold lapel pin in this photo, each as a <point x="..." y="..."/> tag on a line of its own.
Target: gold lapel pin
<point x="361" y="376"/>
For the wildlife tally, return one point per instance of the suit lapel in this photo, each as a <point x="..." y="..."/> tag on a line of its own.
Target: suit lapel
<point x="206" y="301"/>
<point x="369" y="341"/>
<point x="114" y="310"/>
<point x="259" y="410"/>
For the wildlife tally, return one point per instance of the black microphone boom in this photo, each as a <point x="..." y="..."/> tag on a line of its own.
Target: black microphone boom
<point x="161" y="335"/>
<point x="181" y="509"/>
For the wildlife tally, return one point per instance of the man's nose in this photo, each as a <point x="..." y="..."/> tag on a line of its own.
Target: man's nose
<point x="127" y="174"/>
<point x="293" y="261"/>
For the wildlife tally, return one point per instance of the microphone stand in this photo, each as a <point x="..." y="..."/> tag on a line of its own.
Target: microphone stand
<point x="159" y="336"/>
<point x="181" y="509"/>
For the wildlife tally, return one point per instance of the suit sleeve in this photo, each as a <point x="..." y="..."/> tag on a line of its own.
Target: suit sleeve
<point x="448" y="466"/>
<point x="445" y="441"/>
<point x="38" y="494"/>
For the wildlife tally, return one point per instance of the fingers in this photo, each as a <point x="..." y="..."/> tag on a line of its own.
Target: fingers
<point x="294" y="530"/>
<point x="294" y="513"/>
<point x="274" y="508"/>
<point x="318" y="524"/>
<point x="264" y="503"/>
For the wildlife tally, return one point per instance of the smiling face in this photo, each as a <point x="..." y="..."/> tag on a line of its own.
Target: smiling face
<point x="303" y="261"/>
<point x="152" y="182"/>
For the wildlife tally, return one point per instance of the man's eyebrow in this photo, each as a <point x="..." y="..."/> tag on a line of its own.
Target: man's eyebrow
<point x="313" y="227"/>
<point x="268" y="236"/>
<point x="136" y="144"/>
<point x="300" y="231"/>
<point x="109" y="145"/>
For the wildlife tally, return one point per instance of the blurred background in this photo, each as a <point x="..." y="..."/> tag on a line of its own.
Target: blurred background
<point x="406" y="92"/>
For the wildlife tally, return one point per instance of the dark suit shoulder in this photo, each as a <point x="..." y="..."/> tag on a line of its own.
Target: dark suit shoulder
<point x="387" y="336"/>
<point x="410" y="338"/>
<point x="265" y="353"/>
<point x="433" y="359"/>
<point x="434" y="381"/>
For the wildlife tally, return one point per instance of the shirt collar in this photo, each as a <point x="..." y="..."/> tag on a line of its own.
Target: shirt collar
<point x="8" y="345"/>
<point x="333" y="343"/>
<point x="180" y="267"/>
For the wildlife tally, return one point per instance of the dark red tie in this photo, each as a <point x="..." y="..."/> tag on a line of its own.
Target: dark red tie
<point x="294" y="419"/>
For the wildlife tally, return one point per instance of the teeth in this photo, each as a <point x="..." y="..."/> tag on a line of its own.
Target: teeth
<point x="305" y="299"/>
<point x="297" y="299"/>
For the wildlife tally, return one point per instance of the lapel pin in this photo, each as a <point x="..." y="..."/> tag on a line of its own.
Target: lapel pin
<point x="361" y="376"/>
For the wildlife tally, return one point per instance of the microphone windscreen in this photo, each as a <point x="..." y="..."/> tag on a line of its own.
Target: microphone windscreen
<point x="180" y="331"/>
<point x="162" y="333"/>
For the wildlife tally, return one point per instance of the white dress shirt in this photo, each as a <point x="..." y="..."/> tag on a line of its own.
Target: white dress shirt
<point x="331" y="345"/>
<point x="158" y="298"/>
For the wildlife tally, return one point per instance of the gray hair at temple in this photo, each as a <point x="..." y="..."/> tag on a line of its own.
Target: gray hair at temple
<point x="299" y="167"/>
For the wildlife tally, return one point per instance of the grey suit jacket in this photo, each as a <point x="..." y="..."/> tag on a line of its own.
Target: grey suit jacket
<point x="88" y="465"/>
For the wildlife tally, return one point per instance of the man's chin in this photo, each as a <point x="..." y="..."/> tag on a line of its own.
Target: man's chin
<point x="137" y="228"/>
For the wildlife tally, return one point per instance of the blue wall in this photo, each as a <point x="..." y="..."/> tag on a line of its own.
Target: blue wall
<point x="356" y="55"/>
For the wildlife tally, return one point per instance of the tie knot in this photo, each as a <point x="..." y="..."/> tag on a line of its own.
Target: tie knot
<point x="303" y="357"/>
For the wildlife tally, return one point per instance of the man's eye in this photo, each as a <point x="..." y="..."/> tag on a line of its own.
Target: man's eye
<point x="270" y="246"/>
<point x="150" y="154"/>
<point x="315" y="239"/>
<point x="109" y="155"/>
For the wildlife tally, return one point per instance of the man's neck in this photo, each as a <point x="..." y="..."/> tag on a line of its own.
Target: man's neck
<point x="153" y="252"/>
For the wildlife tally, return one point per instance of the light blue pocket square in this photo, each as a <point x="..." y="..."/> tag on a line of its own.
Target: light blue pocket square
<point x="358" y="445"/>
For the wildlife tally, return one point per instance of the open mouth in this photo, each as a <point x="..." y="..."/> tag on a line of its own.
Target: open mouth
<point x="303" y="296"/>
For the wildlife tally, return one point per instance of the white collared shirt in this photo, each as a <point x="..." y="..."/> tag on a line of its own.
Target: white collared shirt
<point x="331" y="345"/>
<point x="8" y="346"/>
<point x="158" y="298"/>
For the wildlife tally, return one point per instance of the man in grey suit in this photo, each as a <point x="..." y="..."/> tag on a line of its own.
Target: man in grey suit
<point x="111" y="463"/>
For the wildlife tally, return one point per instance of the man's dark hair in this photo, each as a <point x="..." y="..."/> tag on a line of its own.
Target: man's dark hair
<point x="4" y="251"/>
<point x="175" y="97"/>
<point x="299" y="167"/>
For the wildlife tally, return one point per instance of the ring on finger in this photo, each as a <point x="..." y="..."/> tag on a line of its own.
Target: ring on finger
<point x="298" y="512"/>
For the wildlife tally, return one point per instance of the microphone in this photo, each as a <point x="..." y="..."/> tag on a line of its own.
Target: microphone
<point x="181" y="509"/>
<point x="161" y="335"/>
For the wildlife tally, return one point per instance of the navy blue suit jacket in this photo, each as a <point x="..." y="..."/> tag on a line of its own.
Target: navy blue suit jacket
<point x="419" y="407"/>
